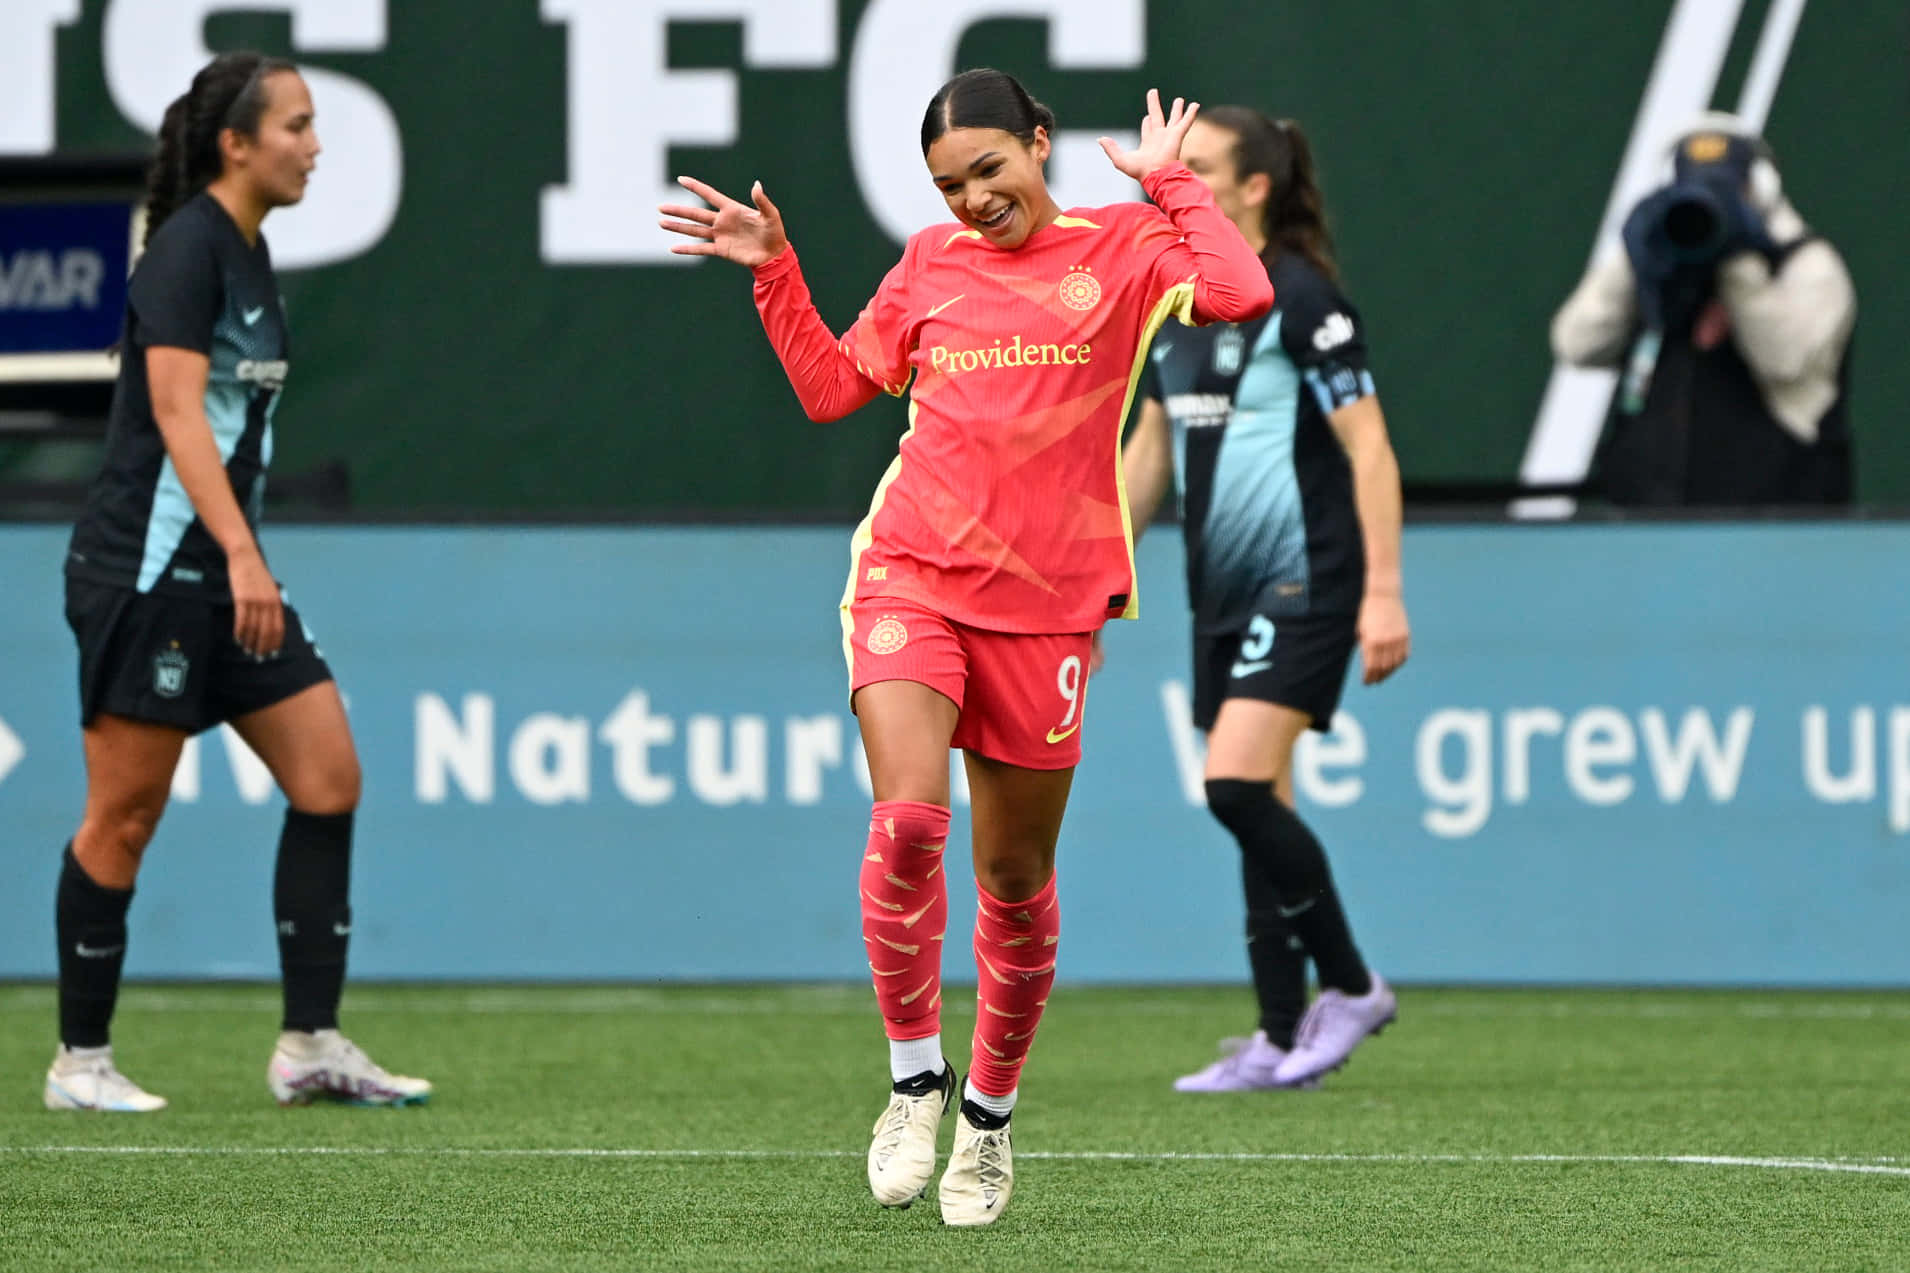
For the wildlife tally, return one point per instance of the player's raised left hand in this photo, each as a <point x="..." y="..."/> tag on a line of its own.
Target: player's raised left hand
<point x="1161" y="136"/>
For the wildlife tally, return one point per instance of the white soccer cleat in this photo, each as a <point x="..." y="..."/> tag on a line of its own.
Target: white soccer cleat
<point x="902" y="1153"/>
<point x="87" y="1079"/>
<point x="980" y="1175"/>
<point x="1332" y="1028"/>
<point x="325" y="1065"/>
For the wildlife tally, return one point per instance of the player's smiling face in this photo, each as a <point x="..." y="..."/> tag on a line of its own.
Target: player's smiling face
<point x="993" y="183"/>
<point x="279" y="160"/>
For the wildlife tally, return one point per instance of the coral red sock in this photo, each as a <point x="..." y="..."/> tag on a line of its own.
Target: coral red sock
<point x="905" y="914"/>
<point x="1014" y="965"/>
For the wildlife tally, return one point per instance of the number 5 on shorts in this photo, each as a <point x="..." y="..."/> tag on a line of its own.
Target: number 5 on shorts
<point x="1067" y="679"/>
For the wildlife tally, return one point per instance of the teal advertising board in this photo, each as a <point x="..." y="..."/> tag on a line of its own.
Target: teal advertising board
<point x="1619" y="754"/>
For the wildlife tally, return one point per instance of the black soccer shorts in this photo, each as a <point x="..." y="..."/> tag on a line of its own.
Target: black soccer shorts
<point x="172" y="660"/>
<point x="1298" y="661"/>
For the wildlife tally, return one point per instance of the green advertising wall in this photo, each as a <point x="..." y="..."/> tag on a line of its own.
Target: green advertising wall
<point x="1468" y="150"/>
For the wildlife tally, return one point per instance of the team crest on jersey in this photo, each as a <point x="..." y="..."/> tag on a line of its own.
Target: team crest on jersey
<point x="169" y="672"/>
<point x="1080" y="290"/>
<point x="888" y="636"/>
<point x="1229" y="347"/>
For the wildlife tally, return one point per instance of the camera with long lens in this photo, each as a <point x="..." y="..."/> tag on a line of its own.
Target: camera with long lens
<point x="1696" y="222"/>
<point x="1723" y="183"/>
<point x="1705" y="212"/>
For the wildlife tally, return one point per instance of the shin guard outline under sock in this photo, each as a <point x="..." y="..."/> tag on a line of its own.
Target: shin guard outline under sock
<point x="1014" y="969"/>
<point x="904" y="897"/>
<point x="1272" y="835"/>
<point x="311" y="904"/>
<point x="90" y="921"/>
<point x="1275" y="955"/>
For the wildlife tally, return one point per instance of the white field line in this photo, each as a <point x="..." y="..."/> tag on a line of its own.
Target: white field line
<point x="1857" y="1166"/>
<point x="858" y="1000"/>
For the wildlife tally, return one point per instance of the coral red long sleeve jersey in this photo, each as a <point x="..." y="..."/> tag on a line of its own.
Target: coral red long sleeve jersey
<point x="1004" y="508"/>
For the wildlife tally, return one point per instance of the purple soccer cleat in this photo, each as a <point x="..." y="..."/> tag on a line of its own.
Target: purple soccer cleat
<point x="1246" y="1065"/>
<point x="1335" y="1025"/>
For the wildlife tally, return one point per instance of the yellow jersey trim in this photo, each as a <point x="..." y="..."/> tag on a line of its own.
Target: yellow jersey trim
<point x="864" y="538"/>
<point x="870" y="374"/>
<point x="1063" y="222"/>
<point x="1179" y="303"/>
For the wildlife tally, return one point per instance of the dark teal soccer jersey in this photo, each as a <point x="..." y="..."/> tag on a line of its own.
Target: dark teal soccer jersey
<point x="1266" y="493"/>
<point x="200" y="286"/>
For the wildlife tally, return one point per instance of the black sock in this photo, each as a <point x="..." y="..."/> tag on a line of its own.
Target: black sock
<point x="1272" y="835"/>
<point x="311" y="899"/>
<point x="1276" y="955"/>
<point x="90" y="920"/>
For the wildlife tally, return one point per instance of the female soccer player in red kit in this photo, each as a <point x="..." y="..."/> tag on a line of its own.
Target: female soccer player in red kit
<point x="997" y="543"/>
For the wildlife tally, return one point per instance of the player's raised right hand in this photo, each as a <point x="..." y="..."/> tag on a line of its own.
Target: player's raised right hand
<point x="1161" y="137"/>
<point x="727" y="228"/>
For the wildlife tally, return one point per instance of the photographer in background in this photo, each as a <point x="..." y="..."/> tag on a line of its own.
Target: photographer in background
<point x="1730" y="322"/>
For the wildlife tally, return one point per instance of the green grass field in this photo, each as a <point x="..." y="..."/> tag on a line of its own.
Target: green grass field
<point x="723" y="1128"/>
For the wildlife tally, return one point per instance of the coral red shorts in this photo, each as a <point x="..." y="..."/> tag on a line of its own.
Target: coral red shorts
<point x="1021" y="696"/>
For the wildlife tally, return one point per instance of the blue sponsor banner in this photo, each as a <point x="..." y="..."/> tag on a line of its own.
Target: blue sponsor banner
<point x="63" y="273"/>
<point x="1619" y="754"/>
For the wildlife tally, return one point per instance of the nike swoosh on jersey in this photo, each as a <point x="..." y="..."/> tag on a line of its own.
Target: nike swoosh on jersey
<point x="944" y="305"/>
<point x="1062" y="736"/>
<point x="253" y="315"/>
<point x="1248" y="669"/>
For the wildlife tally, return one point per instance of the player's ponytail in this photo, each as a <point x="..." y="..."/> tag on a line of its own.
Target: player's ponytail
<point x="166" y="184"/>
<point x="985" y="98"/>
<point x="1297" y="214"/>
<point x="1294" y="218"/>
<point x="228" y="92"/>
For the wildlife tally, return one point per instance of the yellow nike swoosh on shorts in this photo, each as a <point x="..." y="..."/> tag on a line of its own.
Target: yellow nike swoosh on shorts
<point x="1063" y="735"/>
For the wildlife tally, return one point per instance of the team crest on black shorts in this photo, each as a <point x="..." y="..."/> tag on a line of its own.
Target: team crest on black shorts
<point x="169" y="672"/>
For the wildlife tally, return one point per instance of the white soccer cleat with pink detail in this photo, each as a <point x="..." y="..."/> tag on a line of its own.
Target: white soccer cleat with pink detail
<point x="325" y="1065"/>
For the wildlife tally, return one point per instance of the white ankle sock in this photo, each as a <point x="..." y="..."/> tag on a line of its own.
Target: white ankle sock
<point x="304" y="1044"/>
<point x="1003" y="1105"/>
<point x="909" y="1057"/>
